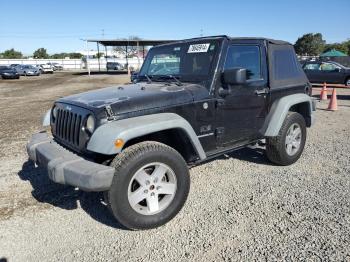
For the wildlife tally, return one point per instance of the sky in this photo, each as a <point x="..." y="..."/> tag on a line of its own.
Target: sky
<point x="58" y="26"/>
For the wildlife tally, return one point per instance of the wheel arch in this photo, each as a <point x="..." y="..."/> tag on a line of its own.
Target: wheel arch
<point x="168" y="128"/>
<point x="300" y="103"/>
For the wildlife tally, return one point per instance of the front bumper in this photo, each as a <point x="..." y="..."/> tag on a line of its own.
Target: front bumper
<point x="64" y="167"/>
<point x="32" y="73"/>
<point x="10" y="76"/>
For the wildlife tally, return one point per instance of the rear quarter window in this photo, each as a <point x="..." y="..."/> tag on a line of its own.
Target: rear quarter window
<point x="285" y="64"/>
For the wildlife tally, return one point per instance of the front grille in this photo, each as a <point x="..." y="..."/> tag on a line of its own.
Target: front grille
<point x="68" y="126"/>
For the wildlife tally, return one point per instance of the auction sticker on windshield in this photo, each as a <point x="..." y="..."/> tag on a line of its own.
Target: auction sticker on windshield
<point x="199" y="48"/>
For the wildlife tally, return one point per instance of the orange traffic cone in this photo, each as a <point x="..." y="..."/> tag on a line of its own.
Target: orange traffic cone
<point x="333" y="103"/>
<point x="323" y="95"/>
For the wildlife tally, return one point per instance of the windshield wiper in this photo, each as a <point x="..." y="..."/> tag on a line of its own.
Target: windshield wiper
<point x="178" y="82"/>
<point x="149" y="80"/>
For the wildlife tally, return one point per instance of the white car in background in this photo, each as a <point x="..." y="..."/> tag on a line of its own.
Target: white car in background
<point x="55" y="66"/>
<point x="46" y="69"/>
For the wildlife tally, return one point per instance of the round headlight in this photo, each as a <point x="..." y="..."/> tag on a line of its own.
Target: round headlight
<point x="54" y="112"/>
<point x="90" y="124"/>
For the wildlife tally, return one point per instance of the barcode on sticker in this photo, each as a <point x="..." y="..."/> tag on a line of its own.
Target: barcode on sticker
<point x="199" y="48"/>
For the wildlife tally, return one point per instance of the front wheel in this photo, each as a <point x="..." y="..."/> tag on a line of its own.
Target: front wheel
<point x="150" y="185"/>
<point x="286" y="148"/>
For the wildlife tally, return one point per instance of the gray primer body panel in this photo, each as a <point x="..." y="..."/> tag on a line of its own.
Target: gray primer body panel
<point x="102" y="140"/>
<point x="64" y="167"/>
<point x="279" y="111"/>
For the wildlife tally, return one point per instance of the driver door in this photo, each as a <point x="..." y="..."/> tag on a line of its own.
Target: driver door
<point x="331" y="73"/>
<point x="241" y="113"/>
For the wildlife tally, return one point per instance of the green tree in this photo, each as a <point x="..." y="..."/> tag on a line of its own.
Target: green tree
<point x="131" y="49"/>
<point x="347" y="44"/>
<point x="75" y="55"/>
<point x="40" y="53"/>
<point x="99" y="55"/>
<point x="64" y="55"/>
<point x="11" y="54"/>
<point x="58" y="56"/>
<point x="310" y="44"/>
<point x="342" y="47"/>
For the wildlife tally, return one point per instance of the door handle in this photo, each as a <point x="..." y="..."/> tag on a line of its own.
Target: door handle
<point x="263" y="91"/>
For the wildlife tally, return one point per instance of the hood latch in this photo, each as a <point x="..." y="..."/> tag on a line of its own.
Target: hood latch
<point x="109" y="112"/>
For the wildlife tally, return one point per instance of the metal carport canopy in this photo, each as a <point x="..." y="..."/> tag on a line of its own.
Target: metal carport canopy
<point x="126" y="42"/>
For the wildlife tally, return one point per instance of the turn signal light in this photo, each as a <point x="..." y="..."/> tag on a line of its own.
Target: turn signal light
<point x="118" y="143"/>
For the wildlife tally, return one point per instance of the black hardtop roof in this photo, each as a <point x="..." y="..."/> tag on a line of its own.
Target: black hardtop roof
<point x="269" y="40"/>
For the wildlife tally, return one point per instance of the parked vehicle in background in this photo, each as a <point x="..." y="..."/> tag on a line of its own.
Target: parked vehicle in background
<point x="329" y="72"/>
<point x="134" y="75"/>
<point x="193" y="100"/>
<point x="14" y="65"/>
<point x="7" y="72"/>
<point x="55" y="66"/>
<point x="28" y="70"/>
<point x="114" y="66"/>
<point x="46" y="69"/>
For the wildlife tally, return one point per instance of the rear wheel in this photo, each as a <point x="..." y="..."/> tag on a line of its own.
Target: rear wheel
<point x="347" y="82"/>
<point x="150" y="185"/>
<point x="287" y="147"/>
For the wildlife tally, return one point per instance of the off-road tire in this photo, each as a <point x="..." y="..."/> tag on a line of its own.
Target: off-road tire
<point x="347" y="83"/>
<point x="275" y="146"/>
<point x="126" y="164"/>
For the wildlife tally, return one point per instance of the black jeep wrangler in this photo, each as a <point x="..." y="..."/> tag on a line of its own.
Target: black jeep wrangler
<point x="192" y="101"/>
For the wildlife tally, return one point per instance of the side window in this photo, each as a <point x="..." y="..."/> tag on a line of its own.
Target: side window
<point x="312" y="67"/>
<point x="328" y="67"/>
<point x="245" y="56"/>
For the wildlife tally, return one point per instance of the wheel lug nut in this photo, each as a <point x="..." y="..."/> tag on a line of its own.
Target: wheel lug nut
<point x="158" y="187"/>
<point x="147" y="182"/>
<point x="152" y="194"/>
<point x="155" y="180"/>
<point x="146" y="191"/>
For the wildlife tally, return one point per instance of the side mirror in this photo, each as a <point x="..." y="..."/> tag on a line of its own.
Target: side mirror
<point x="235" y="76"/>
<point x="337" y="69"/>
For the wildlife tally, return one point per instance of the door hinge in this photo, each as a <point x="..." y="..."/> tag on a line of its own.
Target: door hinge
<point x="220" y="102"/>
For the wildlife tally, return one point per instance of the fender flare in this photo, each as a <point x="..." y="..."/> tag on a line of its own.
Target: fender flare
<point x="102" y="140"/>
<point x="279" y="111"/>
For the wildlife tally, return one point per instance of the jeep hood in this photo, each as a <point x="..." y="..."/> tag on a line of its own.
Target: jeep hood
<point x="134" y="97"/>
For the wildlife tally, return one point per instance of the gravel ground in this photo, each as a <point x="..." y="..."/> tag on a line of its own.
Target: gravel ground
<point x="240" y="206"/>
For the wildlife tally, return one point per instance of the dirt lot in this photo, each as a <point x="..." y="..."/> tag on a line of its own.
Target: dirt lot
<point x="240" y="206"/>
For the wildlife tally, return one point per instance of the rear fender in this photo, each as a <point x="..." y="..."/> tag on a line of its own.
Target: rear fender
<point x="280" y="109"/>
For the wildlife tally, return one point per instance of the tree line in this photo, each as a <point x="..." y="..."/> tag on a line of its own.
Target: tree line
<point x="314" y="45"/>
<point x="311" y="44"/>
<point x="40" y="53"/>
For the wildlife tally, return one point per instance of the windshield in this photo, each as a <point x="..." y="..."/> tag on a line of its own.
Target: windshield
<point x="190" y="61"/>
